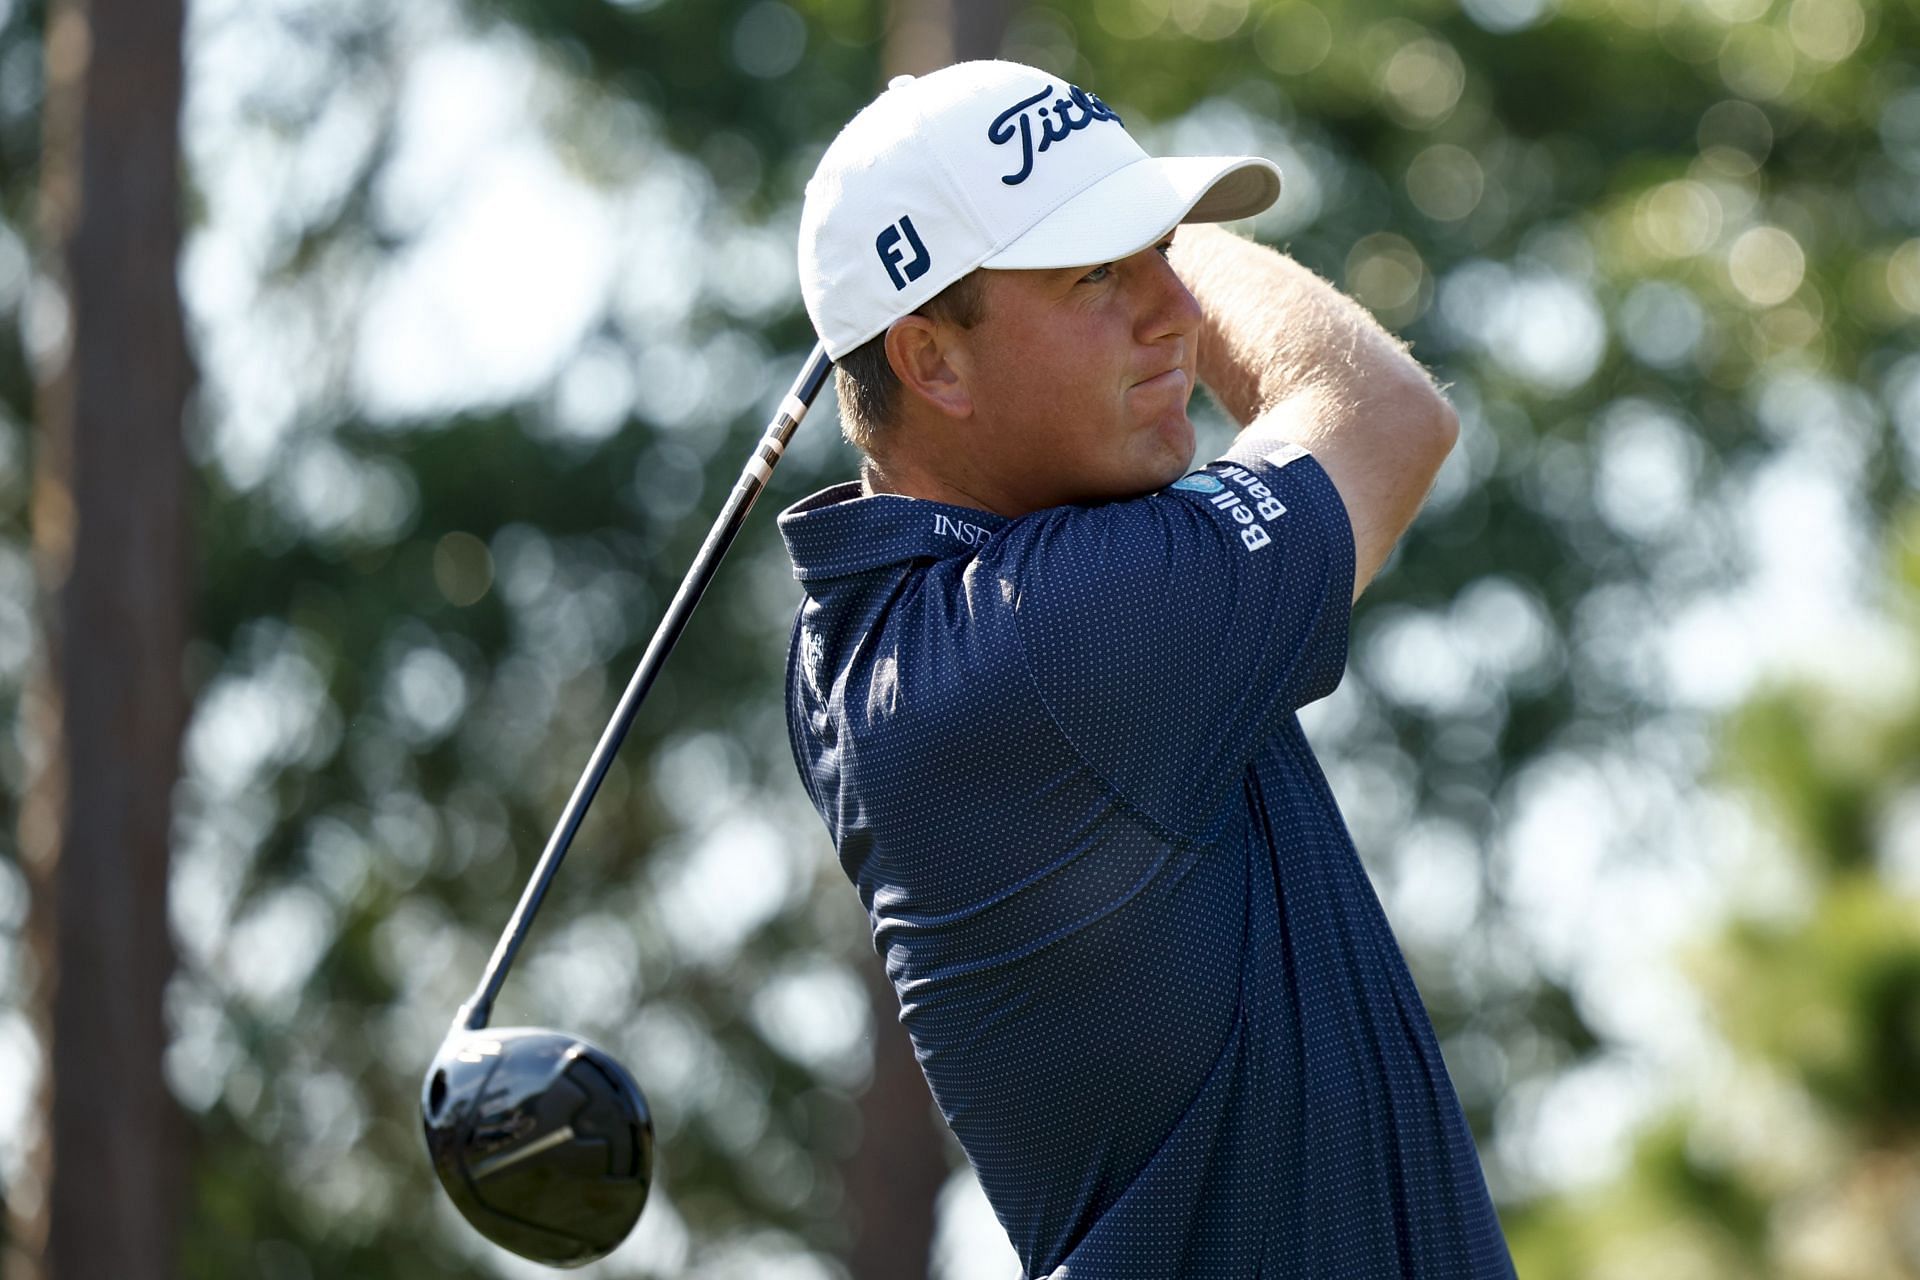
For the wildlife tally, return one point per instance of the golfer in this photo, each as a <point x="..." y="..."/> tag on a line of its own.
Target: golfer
<point x="1043" y="689"/>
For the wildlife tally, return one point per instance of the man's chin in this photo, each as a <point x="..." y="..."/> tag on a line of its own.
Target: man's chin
<point x="1178" y="441"/>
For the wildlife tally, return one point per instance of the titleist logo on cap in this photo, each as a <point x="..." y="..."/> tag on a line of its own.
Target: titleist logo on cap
<point x="1057" y="124"/>
<point x="910" y="196"/>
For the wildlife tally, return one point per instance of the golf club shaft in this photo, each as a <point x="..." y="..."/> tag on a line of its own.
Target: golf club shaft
<point x="476" y="1012"/>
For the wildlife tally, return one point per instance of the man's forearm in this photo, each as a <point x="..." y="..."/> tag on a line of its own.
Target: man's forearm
<point x="1274" y="330"/>
<point x="1294" y="360"/>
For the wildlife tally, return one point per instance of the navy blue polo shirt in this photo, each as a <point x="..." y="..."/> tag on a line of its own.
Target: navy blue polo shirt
<point x="1143" y="969"/>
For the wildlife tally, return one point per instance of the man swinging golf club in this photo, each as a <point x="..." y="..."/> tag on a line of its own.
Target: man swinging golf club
<point x="1043" y="691"/>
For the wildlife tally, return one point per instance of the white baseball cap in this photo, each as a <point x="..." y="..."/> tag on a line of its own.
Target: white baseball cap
<point x="990" y="164"/>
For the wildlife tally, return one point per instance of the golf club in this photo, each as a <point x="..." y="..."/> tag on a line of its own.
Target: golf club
<point x="543" y="1141"/>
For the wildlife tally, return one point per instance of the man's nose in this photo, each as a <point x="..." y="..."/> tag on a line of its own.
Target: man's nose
<point x="1169" y="306"/>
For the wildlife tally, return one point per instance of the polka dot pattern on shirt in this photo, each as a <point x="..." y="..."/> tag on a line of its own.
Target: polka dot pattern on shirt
<point x="1144" y="971"/>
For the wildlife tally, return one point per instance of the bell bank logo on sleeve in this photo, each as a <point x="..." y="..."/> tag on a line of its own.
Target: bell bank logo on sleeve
<point x="1251" y="507"/>
<point x="1057" y="122"/>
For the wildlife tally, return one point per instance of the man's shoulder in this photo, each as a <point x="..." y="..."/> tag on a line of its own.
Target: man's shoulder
<point x="932" y="633"/>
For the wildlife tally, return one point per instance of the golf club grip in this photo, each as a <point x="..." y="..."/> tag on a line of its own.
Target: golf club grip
<point x="753" y="478"/>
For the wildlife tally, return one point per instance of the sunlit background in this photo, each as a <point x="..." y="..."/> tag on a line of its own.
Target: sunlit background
<point x="487" y="303"/>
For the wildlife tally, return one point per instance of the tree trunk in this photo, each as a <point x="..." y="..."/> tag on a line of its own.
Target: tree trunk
<point x="106" y="707"/>
<point x="894" y="1177"/>
<point x="923" y="35"/>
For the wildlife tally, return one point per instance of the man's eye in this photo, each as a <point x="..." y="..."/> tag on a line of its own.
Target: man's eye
<point x="1165" y="247"/>
<point x="1098" y="274"/>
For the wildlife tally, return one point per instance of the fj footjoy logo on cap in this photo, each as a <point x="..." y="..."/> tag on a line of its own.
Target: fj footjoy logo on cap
<point x="900" y="268"/>
<point x="1057" y="123"/>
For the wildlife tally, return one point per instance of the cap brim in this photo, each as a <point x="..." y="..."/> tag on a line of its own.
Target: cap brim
<point x="1136" y="205"/>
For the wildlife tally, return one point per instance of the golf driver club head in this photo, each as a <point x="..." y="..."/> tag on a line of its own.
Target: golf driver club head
<point x="542" y="1139"/>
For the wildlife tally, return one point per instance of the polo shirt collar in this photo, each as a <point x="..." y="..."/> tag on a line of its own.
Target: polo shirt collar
<point x="838" y="531"/>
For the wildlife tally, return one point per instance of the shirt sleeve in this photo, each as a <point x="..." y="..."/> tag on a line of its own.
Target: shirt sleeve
<point x="1170" y="635"/>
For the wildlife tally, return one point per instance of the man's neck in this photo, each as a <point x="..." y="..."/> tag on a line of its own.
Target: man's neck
<point x="876" y="478"/>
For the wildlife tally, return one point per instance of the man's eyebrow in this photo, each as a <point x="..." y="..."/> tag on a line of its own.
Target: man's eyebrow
<point x="1058" y="279"/>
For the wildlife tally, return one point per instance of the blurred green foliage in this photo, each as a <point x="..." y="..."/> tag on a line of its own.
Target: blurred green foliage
<point x="1660" y="252"/>
<point x="1800" y="1157"/>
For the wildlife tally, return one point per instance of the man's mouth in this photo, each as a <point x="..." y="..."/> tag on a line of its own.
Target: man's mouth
<point x="1161" y="381"/>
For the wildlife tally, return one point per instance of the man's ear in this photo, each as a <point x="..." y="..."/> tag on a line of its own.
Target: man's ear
<point x="922" y="356"/>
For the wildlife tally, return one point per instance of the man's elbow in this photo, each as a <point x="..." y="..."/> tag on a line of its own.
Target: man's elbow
<point x="1444" y="430"/>
<point x="1446" y="421"/>
<point x="1426" y="420"/>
